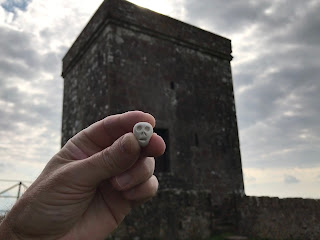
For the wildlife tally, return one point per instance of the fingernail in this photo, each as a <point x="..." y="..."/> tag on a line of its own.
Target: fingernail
<point x="123" y="180"/>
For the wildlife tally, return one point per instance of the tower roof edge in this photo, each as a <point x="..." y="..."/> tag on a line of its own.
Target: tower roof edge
<point x="128" y="14"/>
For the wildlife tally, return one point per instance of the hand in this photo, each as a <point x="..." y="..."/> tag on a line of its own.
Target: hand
<point x="87" y="188"/>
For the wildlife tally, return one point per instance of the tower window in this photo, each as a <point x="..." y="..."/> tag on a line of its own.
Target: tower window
<point x="172" y="85"/>
<point x="196" y="140"/>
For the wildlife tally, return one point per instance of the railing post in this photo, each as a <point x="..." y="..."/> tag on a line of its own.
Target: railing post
<point x="19" y="190"/>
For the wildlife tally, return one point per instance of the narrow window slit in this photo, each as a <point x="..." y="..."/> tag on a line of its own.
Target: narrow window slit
<point x="172" y="85"/>
<point x="196" y="140"/>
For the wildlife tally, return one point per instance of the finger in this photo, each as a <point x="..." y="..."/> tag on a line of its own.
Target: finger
<point x="106" y="212"/>
<point x="81" y="147"/>
<point x="112" y="161"/>
<point x="143" y="191"/>
<point x="137" y="174"/>
<point x="102" y="134"/>
<point x="106" y="131"/>
<point x="155" y="148"/>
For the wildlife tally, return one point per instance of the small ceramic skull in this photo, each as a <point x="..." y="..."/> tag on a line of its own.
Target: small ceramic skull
<point x="143" y="132"/>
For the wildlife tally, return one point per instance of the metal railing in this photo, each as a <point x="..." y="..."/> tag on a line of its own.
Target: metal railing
<point x="10" y="192"/>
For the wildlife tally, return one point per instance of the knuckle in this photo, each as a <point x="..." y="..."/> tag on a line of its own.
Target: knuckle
<point x="109" y="161"/>
<point x="148" y="166"/>
<point x="154" y="184"/>
<point x="129" y="145"/>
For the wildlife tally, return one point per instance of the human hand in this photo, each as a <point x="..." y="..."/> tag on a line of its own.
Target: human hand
<point x="90" y="185"/>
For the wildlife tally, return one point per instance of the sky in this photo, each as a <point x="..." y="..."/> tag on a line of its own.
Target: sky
<point x="276" y="73"/>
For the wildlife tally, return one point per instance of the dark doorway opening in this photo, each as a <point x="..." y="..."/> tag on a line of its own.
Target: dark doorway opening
<point x="163" y="162"/>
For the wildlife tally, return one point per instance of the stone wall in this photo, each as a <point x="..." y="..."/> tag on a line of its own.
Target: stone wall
<point x="130" y="58"/>
<point x="180" y="214"/>
<point x="172" y="214"/>
<point x="274" y="218"/>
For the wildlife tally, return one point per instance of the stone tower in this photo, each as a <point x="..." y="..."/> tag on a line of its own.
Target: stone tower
<point x="128" y="58"/>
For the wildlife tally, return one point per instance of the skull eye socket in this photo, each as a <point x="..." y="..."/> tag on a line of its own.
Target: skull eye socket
<point x="147" y="128"/>
<point x="139" y="128"/>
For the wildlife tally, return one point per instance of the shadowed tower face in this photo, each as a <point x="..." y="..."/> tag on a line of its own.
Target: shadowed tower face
<point x="128" y="58"/>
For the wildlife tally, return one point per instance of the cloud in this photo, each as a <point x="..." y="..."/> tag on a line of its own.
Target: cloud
<point x="13" y="5"/>
<point x="271" y="182"/>
<point x="2" y="166"/>
<point x="276" y="73"/>
<point x="288" y="179"/>
<point x="249" y="179"/>
<point x="34" y="39"/>
<point x="173" y="8"/>
<point x="30" y="94"/>
<point x="225" y="16"/>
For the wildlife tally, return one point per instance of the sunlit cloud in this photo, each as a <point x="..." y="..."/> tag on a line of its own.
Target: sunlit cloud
<point x="171" y="8"/>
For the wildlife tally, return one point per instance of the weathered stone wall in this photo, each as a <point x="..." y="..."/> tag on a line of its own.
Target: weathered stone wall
<point x="274" y="218"/>
<point x="132" y="58"/>
<point x="173" y="214"/>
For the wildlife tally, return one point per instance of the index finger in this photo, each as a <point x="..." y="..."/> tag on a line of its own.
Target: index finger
<point x="104" y="132"/>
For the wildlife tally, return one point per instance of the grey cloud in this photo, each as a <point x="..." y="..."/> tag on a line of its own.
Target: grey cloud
<point x="11" y="5"/>
<point x="5" y="166"/>
<point x="51" y="62"/>
<point x="282" y="79"/>
<point x="11" y="94"/>
<point x="250" y="179"/>
<point x="10" y="69"/>
<point x="288" y="179"/>
<point x="304" y="158"/>
<point x="305" y="27"/>
<point x="20" y="56"/>
<point x="25" y="111"/>
<point x="283" y="141"/>
<point x="265" y="97"/>
<point x="17" y="44"/>
<point x="20" y="59"/>
<point x="226" y="16"/>
<point x="2" y="167"/>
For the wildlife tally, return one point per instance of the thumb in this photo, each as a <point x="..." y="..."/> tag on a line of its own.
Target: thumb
<point x="112" y="161"/>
